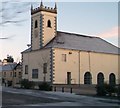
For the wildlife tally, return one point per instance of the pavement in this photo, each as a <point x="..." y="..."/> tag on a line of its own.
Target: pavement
<point x="22" y="98"/>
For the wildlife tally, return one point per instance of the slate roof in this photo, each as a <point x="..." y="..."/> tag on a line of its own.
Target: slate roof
<point x="8" y="67"/>
<point x="81" y="42"/>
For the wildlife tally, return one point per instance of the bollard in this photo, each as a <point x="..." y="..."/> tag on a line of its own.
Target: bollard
<point x="62" y="89"/>
<point x="70" y="90"/>
<point x="54" y="88"/>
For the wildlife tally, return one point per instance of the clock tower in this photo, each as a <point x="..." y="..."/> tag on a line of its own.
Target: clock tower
<point x="43" y="25"/>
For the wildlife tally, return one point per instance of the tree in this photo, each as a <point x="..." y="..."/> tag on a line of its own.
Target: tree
<point x="10" y="11"/>
<point x="44" y="65"/>
<point x="104" y="89"/>
<point x="10" y="59"/>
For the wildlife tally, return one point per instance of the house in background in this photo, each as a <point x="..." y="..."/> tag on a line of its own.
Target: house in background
<point x="62" y="58"/>
<point x="11" y="74"/>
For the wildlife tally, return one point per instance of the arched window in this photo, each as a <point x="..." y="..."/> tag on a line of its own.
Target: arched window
<point x="87" y="78"/>
<point x="36" y="24"/>
<point x="100" y="78"/>
<point x="112" y="79"/>
<point x="49" y="23"/>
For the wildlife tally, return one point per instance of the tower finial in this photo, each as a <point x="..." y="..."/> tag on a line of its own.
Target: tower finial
<point x="41" y="4"/>
<point x="55" y="5"/>
<point x="31" y="8"/>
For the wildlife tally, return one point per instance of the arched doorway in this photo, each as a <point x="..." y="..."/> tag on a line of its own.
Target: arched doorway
<point x="100" y="79"/>
<point x="87" y="78"/>
<point x="112" y="79"/>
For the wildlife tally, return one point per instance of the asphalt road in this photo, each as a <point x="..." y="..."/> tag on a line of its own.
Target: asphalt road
<point x="21" y="98"/>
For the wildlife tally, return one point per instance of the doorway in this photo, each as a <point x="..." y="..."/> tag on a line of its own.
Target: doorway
<point x="68" y="78"/>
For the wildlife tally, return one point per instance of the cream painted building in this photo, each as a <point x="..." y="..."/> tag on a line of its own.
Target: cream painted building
<point x="66" y="58"/>
<point x="11" y="74"/>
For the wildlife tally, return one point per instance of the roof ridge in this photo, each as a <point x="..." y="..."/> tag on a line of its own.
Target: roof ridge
<point x="77" y="34"/>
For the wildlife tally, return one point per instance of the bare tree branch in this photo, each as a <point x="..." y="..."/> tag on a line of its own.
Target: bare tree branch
<point x="44" y="60"/>
<point x="11" y="12"/>
<point x="13" y="22"/>
<point x="7" y="37"/>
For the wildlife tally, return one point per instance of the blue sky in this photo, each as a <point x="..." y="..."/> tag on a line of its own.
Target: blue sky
<point x="89" y="18"/>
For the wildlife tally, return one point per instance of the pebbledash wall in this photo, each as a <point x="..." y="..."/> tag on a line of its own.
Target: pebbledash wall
<point x="77" y="62"/>
<point x="35" y="60"/>
<point x="80" y="62"/>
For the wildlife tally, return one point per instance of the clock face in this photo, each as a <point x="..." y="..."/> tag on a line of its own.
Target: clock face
<point x="36" y="33"/>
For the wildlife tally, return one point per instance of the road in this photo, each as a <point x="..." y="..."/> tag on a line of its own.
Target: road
<point x="22" y="98"/>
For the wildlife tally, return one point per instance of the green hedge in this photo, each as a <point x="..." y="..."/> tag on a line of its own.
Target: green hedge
<point x="106" y="89"/>
<point x="25" y="83"/>
<point x="45" y="86"/>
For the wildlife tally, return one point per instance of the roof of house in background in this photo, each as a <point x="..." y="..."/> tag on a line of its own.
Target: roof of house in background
<point x="8" y="67"/>
<point x="81" y="42"/>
